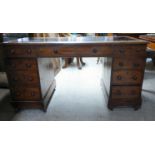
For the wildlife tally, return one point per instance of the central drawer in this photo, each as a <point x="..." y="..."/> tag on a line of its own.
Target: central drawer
<point x="73" y="51"/>
<point x="125" y="77"/>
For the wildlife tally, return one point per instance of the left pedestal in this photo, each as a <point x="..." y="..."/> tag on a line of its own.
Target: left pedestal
<point x="31" y="80"/>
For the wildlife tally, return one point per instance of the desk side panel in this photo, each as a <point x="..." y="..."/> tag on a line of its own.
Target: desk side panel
<point x="46" y="74"/>
<point x="106" y="75"/>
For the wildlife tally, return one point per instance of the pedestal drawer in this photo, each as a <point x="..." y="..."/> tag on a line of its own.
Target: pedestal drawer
<point x="129" y="51"/>
<point x="23" y="77"/>
<point x="128" y="64"/>
<point x="28" y="94"/>
<point x="22" y="51"/>
<point x="136" y="102"/>
<point x="120" y="92"/>
<point x="21" y="64"/>
<point x="125" y="77"/>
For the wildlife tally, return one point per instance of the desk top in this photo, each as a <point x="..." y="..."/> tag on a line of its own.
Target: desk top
<point x="150" y="38"/>
<point x="78" y="40"/>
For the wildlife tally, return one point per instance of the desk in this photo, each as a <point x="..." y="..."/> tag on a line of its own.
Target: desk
<point x="31" y="76"/>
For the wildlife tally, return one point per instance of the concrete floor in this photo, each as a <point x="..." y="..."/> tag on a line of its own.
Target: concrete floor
<point x="79" y="97"/>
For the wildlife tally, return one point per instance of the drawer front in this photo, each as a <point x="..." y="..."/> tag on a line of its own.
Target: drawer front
<point x="20" y="51"/>
<point x="27" y="94"/>
<point x="123" y="77"/>
<point x="73" y="51"/>
<point x="129" y="51"/>
<point x="125" y="102"/>
<point x="128" y="64"/>
<point x="27" y="104"/>
<point x="23" y="77"/>
<point x="21" y="64"/>
<point x="125" y="92"/>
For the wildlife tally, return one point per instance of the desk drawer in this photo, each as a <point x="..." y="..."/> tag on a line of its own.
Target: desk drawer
<point x="21" y="64"/>
<point x="24" y="78"/>
<point x="88" y="50"/>
<point x="123" y="77"/>
<point x="125" y="102"/>
<point x="73" y="51"/>
<point x="129" y="51"/>
<point x="125" y="92"/>
<point x="128" y="64"/>
<point x="25" y="94"/>
<point x="20" y="51"/>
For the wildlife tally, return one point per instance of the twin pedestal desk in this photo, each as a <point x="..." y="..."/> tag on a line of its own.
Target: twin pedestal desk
<point x="32" y="80"/>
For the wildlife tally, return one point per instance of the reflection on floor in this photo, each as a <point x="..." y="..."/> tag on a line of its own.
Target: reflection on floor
<point x="79" y="96"/>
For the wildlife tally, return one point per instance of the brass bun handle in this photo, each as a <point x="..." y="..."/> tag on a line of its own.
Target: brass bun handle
<point x="28" y="65"/>
<point x="55" y="51"/>
<point x="29" y="51"/>
<point x="136" y="65"/>
<point x="32" y="93"/>
<point x="119" y="77"/>
<point x="121" y="64"/>
<point x="134" y="77"/>
<point x="121" y="51"/>
<point x="12" y="51"/>
<point x="95" y="50"/>
<point x="118" y="92"/>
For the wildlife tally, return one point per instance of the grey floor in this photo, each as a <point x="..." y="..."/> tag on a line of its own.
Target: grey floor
<point x="79" y="97"/>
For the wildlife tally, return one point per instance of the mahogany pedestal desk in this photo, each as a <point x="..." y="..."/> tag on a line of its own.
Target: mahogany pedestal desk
<point x="31" y="78"/>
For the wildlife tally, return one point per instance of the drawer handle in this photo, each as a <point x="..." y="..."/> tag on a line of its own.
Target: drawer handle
<point x="121" y="51"/>
<point x="32" y="93"/>
<point x="29" y="51"/>
<point x="134" y="77"/>
<point x="121" y="64"/>
<point x="12" y="51"/>
<point x="28" y="65"/>
<point x="15" y="79"/>
<point x="56" y="51"/>
<point x="118" y="92"/>
<point x="18" y="94"/>
<point x="136" y="65"/>
<point x="119" y="77"/>
<point x="133" y="92"/>
<point x="30" y="79"/>
<point x="12" y="65"/>
<point x="95" y="50"/>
